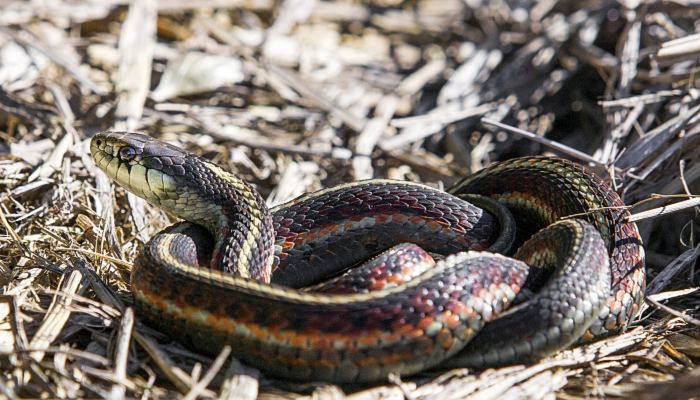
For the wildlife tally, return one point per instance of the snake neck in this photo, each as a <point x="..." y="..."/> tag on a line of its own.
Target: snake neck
<point x="234" y="213"/>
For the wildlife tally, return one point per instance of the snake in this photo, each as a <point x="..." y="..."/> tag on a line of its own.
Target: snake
<point x="236" y="272"/>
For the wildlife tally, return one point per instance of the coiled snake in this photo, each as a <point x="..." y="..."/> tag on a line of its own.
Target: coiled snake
<point x="208" y="292"/>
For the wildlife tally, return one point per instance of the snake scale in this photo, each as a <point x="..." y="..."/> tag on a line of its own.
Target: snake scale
<point x="232" y="274"/>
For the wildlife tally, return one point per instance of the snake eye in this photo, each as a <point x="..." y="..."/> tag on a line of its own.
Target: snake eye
<point x="127" y="153"/>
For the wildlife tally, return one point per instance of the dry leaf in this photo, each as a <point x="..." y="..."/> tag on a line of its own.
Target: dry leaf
<point x="196" y="72"/>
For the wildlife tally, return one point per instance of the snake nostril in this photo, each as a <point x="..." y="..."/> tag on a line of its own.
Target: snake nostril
<point x="98" y="142"/>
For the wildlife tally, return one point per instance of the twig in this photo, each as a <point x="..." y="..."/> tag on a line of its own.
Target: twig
<point x="544" y="141"/>
<point x="368" y="138"/>
<point x="136" y="46"/>
<point x="429" y="124"/>
<point x="672" y="269"/>
<point x="647" y="98"/>
<point x="295" y="82"/>
<point x="87" y="252"/>
<point x="121" y="353"/>
<point x="685" y="317"/>
<point x="58" y="314"/>
<point x="663" y="210"/>
<point x="209" y="376"/>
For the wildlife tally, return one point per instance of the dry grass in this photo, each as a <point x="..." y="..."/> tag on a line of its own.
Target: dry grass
<point x="297" y="95"/>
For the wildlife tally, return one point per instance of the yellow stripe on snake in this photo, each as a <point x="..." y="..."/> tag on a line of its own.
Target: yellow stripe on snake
<point x="232" y="274"/>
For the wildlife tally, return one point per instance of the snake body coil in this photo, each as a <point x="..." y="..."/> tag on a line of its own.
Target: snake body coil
<point x="211" y="293"/>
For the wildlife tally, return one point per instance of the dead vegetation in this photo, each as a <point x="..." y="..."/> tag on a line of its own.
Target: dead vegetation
<point x="297" y="95"/>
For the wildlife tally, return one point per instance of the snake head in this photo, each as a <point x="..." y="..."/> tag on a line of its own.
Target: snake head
<point x="162" y="174"/>
<point x="115" y="149"/>
<point x="179" y="182"/>
<point x="149" y="168"/>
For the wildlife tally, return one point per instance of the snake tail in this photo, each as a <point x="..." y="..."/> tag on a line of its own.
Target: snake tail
<point x="542" y="190"/>
<point x="560" y="312"/>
